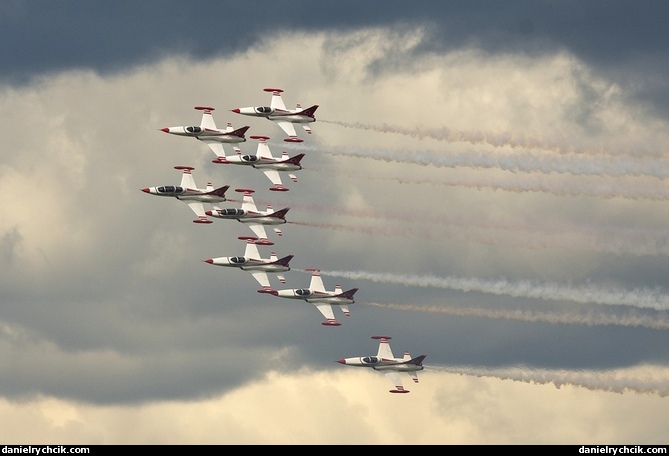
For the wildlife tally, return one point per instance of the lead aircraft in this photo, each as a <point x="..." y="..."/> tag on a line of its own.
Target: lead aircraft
<point x="321" y="298"/>
<point x="190" y="194"/>
<point x="266" y="162"/>
<point x="254" y="264"/>
<point x="385" y="362"/>
<point x="285" y="118"/>
<point x="208" y="133"/>
<point x="249" y="215"/>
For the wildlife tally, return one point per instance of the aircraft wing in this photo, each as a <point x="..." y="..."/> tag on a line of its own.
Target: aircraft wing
<point x="215" y="146"/>
<point x="395" y="378"/>
<point x="187" y="180"/>
<point x="198" y="208"/>
<point x="414" y="376"/>
<point x="261" y="277"/>
<point x="208" y="120"/>
<point x="277" y="101"/>
<point x="273" y="175"/>
<point x="288" y="127"/>
<point x="316" y="283"/>
<point x="248" y="204"/>
<point x="325" y="309"/>
<point x="258" y="230"/>
<point x="384" y="350"/>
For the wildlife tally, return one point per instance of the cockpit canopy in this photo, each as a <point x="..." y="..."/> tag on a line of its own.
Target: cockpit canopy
<point x="263" y="109"/>
<point x="170" y="189"/>
<point x="238" y="260"/>
<point x="303" y="292"/>
<point x="250" y="158"/>
<point x="232" y="211"/>
<point x="194" y="130"/>
<point x="370" y="360"/>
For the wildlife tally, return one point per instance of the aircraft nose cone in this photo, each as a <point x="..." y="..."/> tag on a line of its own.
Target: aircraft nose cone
<point x="236" y="110"/>
<point x="342" y="361"/>
<point x="210" y="261"/>
<point x="145" y="190"/>
<point x="166" y="130"/>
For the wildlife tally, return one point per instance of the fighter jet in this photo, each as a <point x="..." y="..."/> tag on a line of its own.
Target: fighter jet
<point x="385" y="362"/>
<point x="258" y="267"/>
<point x="190" y="194"/>
<point x="278" y="113"/>
<point x="265" y="161"/>
<point x="251" y="216"/>
<point x="209" y="134"/>
<point x="322" y="299"/>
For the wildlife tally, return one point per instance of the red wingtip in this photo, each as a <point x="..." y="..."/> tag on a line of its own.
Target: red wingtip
<point x="278" y="188"/>
<point x="399" y="391"/>
<point x="331" y="323"/>
<point x="236" y="110"/>
<point x="294" y="139"/>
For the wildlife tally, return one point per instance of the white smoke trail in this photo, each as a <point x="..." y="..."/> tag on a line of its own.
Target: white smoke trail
<point x="635" y="243"/>
<point x="633" y="318"/>
<point x="500" y="139"/>
<point x="529" y="184"/>
<point x="649" y="382"/>
<point x="643" y="298"/>
<point x="526" y="162"/>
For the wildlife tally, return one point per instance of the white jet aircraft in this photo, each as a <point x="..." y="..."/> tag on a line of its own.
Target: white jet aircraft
<point x="266" y="162"/>
<point x="322" y="299"/>
<point x="278" y="113"/>
<point x="190" y="194"/>
<point x="209" y="134"/>
<point x="258" y="267"/>
<point x="251" y="216"/>
<point x="385" y="362"/>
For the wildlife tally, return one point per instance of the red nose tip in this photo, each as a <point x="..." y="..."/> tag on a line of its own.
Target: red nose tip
<point x="342" y="361"/>
<point x="166" y="130"/>
<point x="235" y="110"/>
<point x="145" y="190"/>
<point x="210" y="261"/>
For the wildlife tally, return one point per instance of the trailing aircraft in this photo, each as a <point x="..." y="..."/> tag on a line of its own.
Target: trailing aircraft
<point x="208" y="133"/>
<point x="266" y="162"/>
<point x="285" y="118"/>
<point x="321" y="298"/>
<point x="190" y="194"/>
<point x="249" y="215"/>
<point x="385" y="362"/>
<point x="254" y="264"/>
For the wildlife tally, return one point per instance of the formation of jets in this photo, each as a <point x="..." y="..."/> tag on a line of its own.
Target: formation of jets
<point x="252" y="261"/>
<point x="385" y="362"/>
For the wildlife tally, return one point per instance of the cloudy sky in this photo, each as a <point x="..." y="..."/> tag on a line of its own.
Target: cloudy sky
<point x="492" y="176"/>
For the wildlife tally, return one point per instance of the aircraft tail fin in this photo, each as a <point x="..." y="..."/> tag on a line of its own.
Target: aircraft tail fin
<point x="418" y="360"/>
<point x="309" y="111"/>
<point x="280" y="213"/>
<point x="296" y="159"/>
<point x="220" y="191"/>
<point x="240" y="132"/>
<point x="349" y="293"/>
<point x="285" y="260"/>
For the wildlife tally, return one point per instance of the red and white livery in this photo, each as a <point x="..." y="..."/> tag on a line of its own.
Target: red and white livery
<point x="249" y="215"/>
<point x="266" y="162"/>
<point x="190" y="194"/>
<point x="321" y="298"/>
<point x="285" y="118"/>
<point x="385" y="362"/>
<point x="254" y="264"/>
<point x="208" y="133"/>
